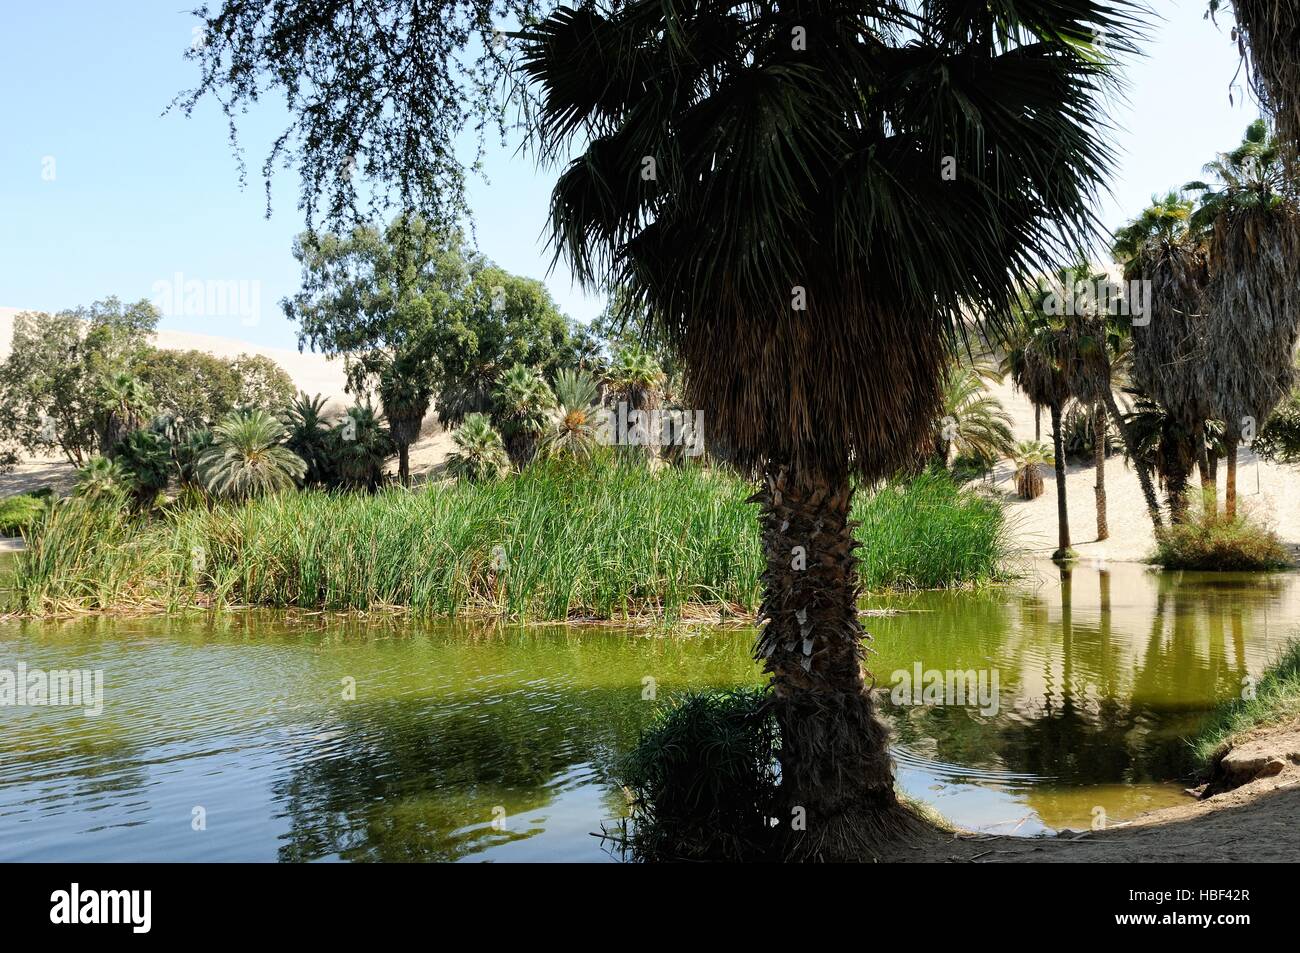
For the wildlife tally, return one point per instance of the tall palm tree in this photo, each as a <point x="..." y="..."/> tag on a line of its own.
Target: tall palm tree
<point x="760" y="198"/>
<point x="1035" y="361"/>
<point x="573" y="431"/>
<point x="480" y="453"/>
<point x="636" y="379"/>
<point x="1252" y="216"/>
<point x="1268" y="34"/>
<point x="405" y="397"/>
<point x="248" y="457"/>
<point x="1160" y="246"/>
<point x="523" y="402"/>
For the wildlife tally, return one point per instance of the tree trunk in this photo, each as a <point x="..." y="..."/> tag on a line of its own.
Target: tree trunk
<point x="1230" y="490"/>
<point x="1209" y="485"/>
<point x="404" y="463"/>
<point x="1038" y="422"/>
<point x="1140" y="465"/>
<point x="1099" y="458"/>
<point x="1062" y="514"/>
<point x="836" y="776"/>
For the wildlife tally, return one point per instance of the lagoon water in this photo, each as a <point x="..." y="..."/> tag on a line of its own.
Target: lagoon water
<point x="237" y="736"/>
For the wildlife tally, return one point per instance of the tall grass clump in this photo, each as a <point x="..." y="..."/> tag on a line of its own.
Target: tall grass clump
<point x="1277" y="700"/>
<point x="1209" y="539"/>
<point x="559" y="541"/>
<point x="929" y="533"/>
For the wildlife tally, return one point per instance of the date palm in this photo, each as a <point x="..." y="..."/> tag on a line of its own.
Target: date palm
<point x="248" y="457"/>
<point x="974" y="424"/>
<point x="359" y="445"/>
<point x="573" y="431"/>
<point x="309" y="437"/>
<point x="754" y="177"/>
<point x="1029" y="458"/>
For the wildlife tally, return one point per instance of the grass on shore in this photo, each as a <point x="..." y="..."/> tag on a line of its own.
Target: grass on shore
<point x="1276" y="701"/>
<point x="1210" y="540"/>
<point x="550" y="544"/>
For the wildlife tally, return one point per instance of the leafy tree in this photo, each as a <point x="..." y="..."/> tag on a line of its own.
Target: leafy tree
<point x="263" y="384"/>
<point x="383" y="299"/>
<point x="480" y="453"/>
<point x="502" y="320"/>
<point x="49" y="383"/>
<point x="248" y="457"/>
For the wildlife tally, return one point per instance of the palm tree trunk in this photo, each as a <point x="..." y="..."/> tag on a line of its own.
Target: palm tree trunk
<point x="1139" y="464"/>
<point x="1209" y="485"/>
<point x="404" y="463"/>
<point x="1099" y="458"/>
<point x="1038" y="422"/>
<point x="1230" y="490"/>
<point x="1062" y="514"/>
<point x="835" y="765"/>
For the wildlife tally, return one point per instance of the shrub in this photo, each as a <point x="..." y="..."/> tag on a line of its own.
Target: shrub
<point x="19" y="512"/>
<point x="1210" y="540"/>
<point x="702" y="780"/>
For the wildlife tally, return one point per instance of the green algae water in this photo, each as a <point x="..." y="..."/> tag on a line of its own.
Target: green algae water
<point x="264" y="737"/>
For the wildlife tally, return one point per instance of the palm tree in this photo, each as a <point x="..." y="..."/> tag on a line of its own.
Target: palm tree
<point x="101" y="477"/>
<point x="761" y="202"/>
<point x="1253" y="300"/>
<point x="309" y="437"/>
<point x="146" y="457"/>
<point x="523" y="403"/>
<point x="124" y="404"/>
<point x="360" y="443"/>
<point x="1034" y="359"/>
<point x="636" y="379"/>
<point x="1029" y="457"/>
<point x="405" y="398"/>
<point x="1270" y="31"/>
<point x="1164" y="440"/>
<point x="974" y="424"/>
<point x="248" y="457"/>
<point x="573" y="431"/>
<point x="188" y="451"/>
<point x="480" y="453"/>
<point x="1160" y="246"/>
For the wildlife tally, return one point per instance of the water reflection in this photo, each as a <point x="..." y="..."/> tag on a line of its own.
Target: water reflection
<point x="473" y="742"/>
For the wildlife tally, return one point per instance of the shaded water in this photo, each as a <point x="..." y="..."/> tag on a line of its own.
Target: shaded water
<point x="454" y="727"/>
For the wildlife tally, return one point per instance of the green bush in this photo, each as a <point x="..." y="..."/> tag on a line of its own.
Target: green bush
<point x="702" y="780"/>
<point x="1276" y="700"/>
<point x="19" y="512"/>
<point x="1209" y="540"/>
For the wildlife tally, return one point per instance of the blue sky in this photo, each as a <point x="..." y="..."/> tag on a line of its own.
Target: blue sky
<point x="137" y="197"/>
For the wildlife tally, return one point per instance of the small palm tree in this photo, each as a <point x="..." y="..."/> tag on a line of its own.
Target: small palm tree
<point x="974" y="424"/>
<point x="1029" y="458"/>
<point x="248" y="457"/>
<point x="309" y="437"/>
<point x="146" y="457"/>
<point x="360" y="444"/>
<point x="636" y="377"/>
<point x="573" y="429"/>
<point x="523" y="402"/>
<point x="480" y="453"/>
<point x="102" y="478"/>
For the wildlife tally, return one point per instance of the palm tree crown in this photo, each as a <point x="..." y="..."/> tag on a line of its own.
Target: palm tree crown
<point x="247" y="457"/>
